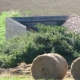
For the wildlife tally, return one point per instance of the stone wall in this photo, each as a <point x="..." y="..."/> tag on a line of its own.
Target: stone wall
<point x="20" y="25"/>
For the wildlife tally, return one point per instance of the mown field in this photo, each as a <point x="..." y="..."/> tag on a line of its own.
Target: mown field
<point x="42" y="7"/>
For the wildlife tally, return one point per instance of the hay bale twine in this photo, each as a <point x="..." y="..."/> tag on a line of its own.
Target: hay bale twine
<point x="49" y="66"/>
<point x="75" y="69"/>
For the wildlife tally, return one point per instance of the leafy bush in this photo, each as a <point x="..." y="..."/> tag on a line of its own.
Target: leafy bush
<point x="48" y="39"/>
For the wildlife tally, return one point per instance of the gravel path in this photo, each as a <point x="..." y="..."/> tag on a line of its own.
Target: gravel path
<point x="73" y="23"/>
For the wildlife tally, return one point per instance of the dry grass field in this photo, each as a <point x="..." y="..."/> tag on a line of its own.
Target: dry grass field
<point x="42" y="7"/>
<point x="24" y="70"/>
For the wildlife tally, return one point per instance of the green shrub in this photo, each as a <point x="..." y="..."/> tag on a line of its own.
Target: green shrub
<point x="77" y="43"/>
<point x="48" y="39"/>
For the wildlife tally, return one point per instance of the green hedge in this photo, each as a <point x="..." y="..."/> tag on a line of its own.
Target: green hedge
<point x="48" y="39"/>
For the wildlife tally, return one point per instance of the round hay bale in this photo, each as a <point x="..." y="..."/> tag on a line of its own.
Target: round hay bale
<point x="75" y="69"/>
<point x="49" y="66"/>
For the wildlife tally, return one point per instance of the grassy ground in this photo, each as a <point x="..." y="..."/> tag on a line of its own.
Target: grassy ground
<point x="23" y="77"/>
<point x="15" y="77"/>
